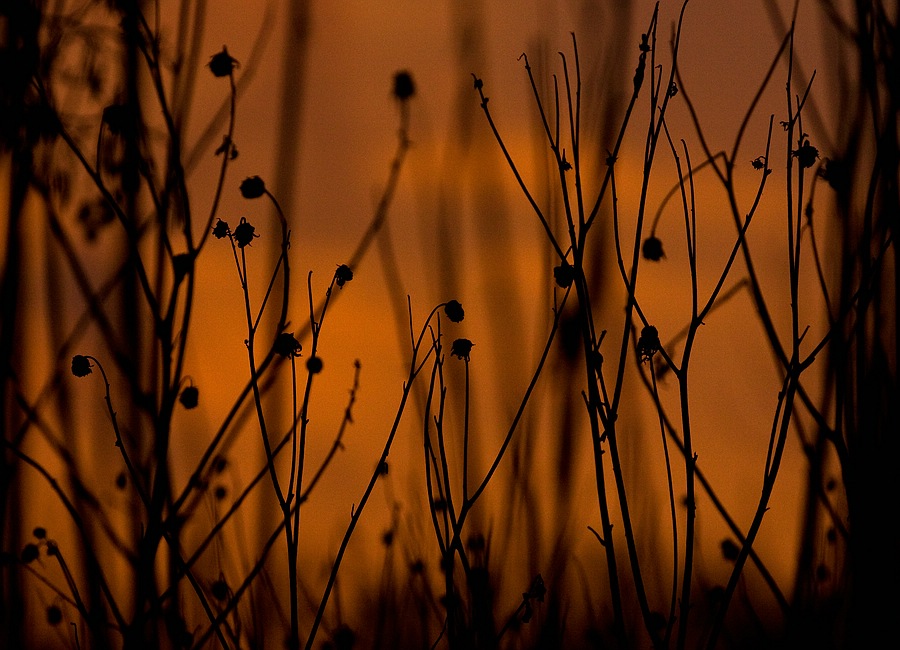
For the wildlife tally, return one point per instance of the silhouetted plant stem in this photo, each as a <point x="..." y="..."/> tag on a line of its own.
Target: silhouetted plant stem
<point x="415" y="367"/>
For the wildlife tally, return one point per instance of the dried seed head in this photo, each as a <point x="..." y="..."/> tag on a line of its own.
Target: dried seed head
<point x="314" y="365"/>
<point x="219" y="589"/>
<point x="648" y="343"/>
<point x="564" y="274"/>
<point x="404" y="87"/>
<point x="342" y="275"/>
<point x="454" y="311"/>
<point x="244" y="233"/>
<point x="253" y="187"/>
<point x="222" y="64"/>
<point x="730" y="550"/>
<point x="652" y="249"/>
<point x="287" y="345"/>
<point x="461" y="349"/>
<point x="29" y="553"/>
<point x="221" y="229"/>
<point x="189" y="397"/>
<point x="54" y="615"/>
<point x="806" y="155"/>
<point x="81" y="366"/>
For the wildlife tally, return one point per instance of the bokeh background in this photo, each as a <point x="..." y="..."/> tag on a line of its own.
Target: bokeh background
<point x="317" y="119"/>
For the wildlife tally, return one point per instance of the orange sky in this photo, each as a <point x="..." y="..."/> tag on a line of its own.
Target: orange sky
<point x="347" y="133"/>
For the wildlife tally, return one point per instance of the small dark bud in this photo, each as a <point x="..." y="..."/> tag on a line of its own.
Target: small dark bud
<point x="652" y="249"/>
<point x="644" y="46"/>
<point x="222" y="64"/>
<point x="220" y="492"/>
<point x="287" y="345"/>
<point x="479" y="84"/>
<point x="806" y="155"/>
<point x="121" y="480"/>
<point x="54" y="615"/>
<point x="219" y="589"/>
<point x="52" y="548"/>
<point x="673" y="89"/>
<point x="383" y="468"/>
<point x="40" y="532"/>
<point x="221" y="229"/>
<point x="648" y="343"/>
<point x="461" y="349"/>
<point x="454" y="311"/>
<point x="244" y="233"/>
<point x="837" y="174"/>
<point x="81" y="365"/>
<point x="564" y="274"/>
<point x="342" y="275"/>
<point x="387" y="538"/>
<point x="117" y="118"/>
<point x="253" y="187"/>
<point x="189" y="397"/>
<point x="314" y="365"/>
<point x="404" y="88"/>
<point x="759" y="162"/>
<point x="29" y="553"/>
<point x="730" y="550"/>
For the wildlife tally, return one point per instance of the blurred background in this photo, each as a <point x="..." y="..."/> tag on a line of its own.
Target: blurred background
<point x="317" y="117"/>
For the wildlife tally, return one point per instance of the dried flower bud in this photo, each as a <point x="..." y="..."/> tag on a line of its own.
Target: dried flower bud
<point x="461" y="349"/>
<point x="806" y="155"/>
<point x="253" y="187"/>
<point x="759" y="162"/>
<point x="118" y="118"/>
<point x="81" y="365"/>
<point x="404" y="88"/>
<point x="221" y="229"/>
<point x="29" y="553"/>
<point x="454" y="311"/>
<point x="648" y="343"/>
<point x="189" y="397"/>
<point x="54" y="615"/>
<point x="314" y="365"/>
<point x="564" y="274"/>
<point x="219" y="589"/>
<point x="342" y="275"/>
<point x="222" y="64"/>
<point x="287" y="345"/>
<point x="244" y="233"/>
<point x="652" y="249"/>
<point x="40" y="532"/>
<point x="730" y="550"/>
